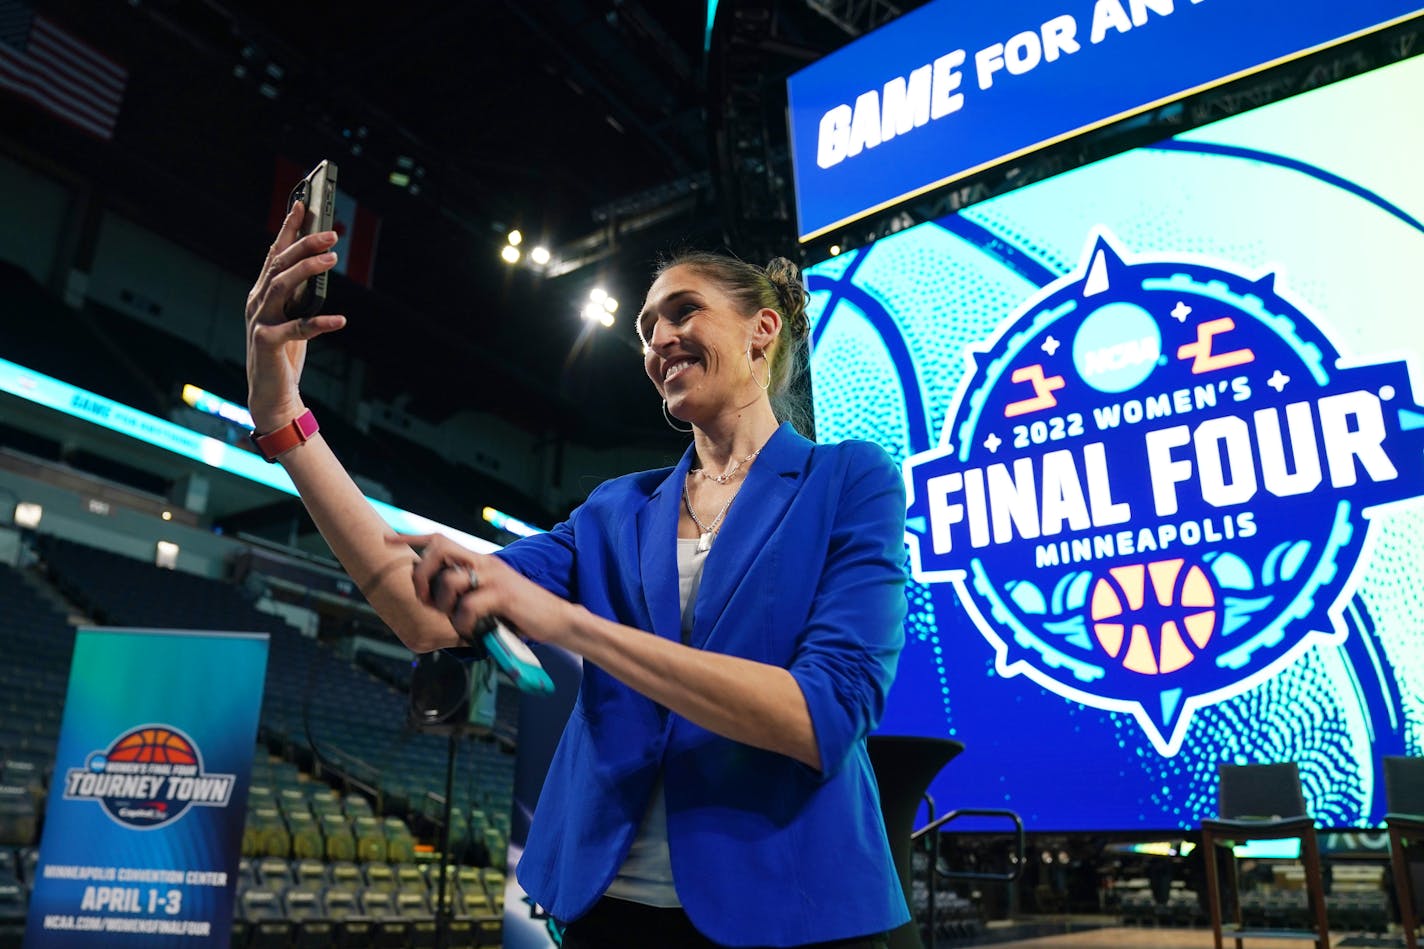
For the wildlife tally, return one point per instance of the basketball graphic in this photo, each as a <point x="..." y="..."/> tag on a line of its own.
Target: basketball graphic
<point x="1154" y="618"/>
<point x="150" y="745"/>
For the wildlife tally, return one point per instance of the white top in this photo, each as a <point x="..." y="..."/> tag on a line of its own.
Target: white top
<point x="646" y="874"/>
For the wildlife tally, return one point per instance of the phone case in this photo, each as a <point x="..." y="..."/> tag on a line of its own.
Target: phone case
<point x="317" y="192"/>
<point x="511" y="654"/>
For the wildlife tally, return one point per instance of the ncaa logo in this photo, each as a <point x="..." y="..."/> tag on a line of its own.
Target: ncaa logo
<point x="148" y="777"/>
<point x="1154" y="485"/>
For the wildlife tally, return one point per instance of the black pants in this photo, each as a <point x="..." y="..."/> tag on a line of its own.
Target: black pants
<point x="623" y="924"/>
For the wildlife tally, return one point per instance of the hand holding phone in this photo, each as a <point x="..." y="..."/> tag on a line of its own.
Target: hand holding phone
<point x="505" y="648"/>
<point x="317" y="192"/>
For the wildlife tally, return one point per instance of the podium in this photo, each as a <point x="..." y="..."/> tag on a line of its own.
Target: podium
<point x="904" y="767"/>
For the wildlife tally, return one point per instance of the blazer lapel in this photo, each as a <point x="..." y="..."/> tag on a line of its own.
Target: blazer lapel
<point x="657" y="551"/>
<point x="771" y="484"/>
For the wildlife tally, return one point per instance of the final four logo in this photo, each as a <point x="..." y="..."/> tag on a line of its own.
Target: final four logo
<point x="148" y="778"/>
<point x="1153" y="489"/>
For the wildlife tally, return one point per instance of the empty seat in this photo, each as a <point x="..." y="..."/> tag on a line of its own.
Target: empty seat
<point x="345" y="873"/>
<point x="343" y="908"/>
<point x="267" y="925"/>
<point x="19" y="818"/>
<point x="1264" y="802"/>
<point x="370" y="840"/>
<point x="274" y="873"/>
<point x="409" y="876"/>
<point x="390" y="930"/>
<point x="1404" y="800"/>
<point x="307" y="841"/>
<point x="380" y="876"/>
<point x="309" y="872"/>
<point x="308" y="916"/>
<point x="13" y="902"/>
<point x="340" y="841"/>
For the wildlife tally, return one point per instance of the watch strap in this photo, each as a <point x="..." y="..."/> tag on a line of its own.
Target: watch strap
<point x="281" y="440"/>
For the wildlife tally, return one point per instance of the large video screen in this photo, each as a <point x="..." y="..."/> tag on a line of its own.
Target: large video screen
<point x="1160" y="427"/>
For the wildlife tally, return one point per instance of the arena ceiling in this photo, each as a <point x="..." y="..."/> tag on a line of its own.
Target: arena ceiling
<point x="590" y="125"/>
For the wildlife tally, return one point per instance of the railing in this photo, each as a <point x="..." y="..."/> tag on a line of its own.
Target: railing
<point x="932" y="831"/>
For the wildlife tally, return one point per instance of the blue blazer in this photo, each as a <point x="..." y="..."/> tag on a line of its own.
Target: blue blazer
<point x="806" y="573"/>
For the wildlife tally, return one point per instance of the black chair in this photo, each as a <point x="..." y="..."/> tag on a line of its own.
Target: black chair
<point x="1261" y="802"/>
<point x="904" y="767"/>
<point x="1404" y="801"/>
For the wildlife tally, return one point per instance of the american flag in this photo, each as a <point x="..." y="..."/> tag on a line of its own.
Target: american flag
<point x="42" y="62"/>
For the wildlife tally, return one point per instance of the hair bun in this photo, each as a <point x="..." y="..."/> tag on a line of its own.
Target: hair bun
<point x="785" y="276"/>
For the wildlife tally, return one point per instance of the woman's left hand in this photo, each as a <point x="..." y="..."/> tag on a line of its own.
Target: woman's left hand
<point x="473" y="589"/>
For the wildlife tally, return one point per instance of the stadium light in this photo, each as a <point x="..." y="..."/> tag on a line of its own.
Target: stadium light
<point x="515" y="238"/>
<point x="28" y="514"/>
<point x="600" y="307"/>
<point x="540" y="255"/>
<point x="510" y="254"/>
<point x="166" y="555"/>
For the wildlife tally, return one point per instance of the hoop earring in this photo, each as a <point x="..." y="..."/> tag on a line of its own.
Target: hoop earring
<point x="763" y="386"/>
<point x="668" y="417"/>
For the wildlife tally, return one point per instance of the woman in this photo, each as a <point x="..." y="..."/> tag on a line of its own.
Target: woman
<point x="739" y="617"/>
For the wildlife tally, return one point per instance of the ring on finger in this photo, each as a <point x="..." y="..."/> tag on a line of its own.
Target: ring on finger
<point x="474" y="580"/>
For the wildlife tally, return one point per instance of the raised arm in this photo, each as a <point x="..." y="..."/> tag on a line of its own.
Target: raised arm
<point x="276" y="352"/>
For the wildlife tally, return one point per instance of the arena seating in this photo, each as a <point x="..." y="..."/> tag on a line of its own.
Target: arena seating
<point x="341" y="786"/>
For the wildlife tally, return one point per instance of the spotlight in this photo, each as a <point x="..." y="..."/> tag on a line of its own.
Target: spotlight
<point x="165" y="555"/>
<point x="28" y="514"/>
<point x="606" y="319"/>
<point x="539" y="255"/>
<point x="598" y="294"/>
<point x="592" y="311"/>
<point x="610" y="304"/>
<point x="835" y="250"/>
<point x="515" y="238"/>
<point x="167" y="515"/>
<point x="510" y="254"/>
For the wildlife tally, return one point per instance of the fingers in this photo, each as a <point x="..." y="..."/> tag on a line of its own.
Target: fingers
<point x="470" y="621"/>
<point x="279" y="334"/>
<point x="449" y="586"/>
<point x="438" y="554"/>
<point x="313" y="246"/>
<point x="285" y="234"/>
<point x="288" y="271"/>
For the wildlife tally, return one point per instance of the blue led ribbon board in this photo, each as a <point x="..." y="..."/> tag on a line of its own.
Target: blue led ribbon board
<point x="955" y="87"/>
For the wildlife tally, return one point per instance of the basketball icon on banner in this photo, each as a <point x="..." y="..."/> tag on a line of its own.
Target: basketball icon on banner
<point x="154" y="744"/>
<point x="1164" y="624"/>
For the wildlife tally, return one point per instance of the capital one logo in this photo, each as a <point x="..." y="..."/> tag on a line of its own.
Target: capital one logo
<point x="1154" y="487"/>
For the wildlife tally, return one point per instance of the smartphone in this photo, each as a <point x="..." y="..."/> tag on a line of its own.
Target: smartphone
<point x="317" y="193"/>
<point x="517" y="660"/>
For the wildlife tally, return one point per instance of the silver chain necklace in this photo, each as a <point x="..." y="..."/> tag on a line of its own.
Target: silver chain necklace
<point x="725" y="476"/>
<point x="705" y="541"/>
